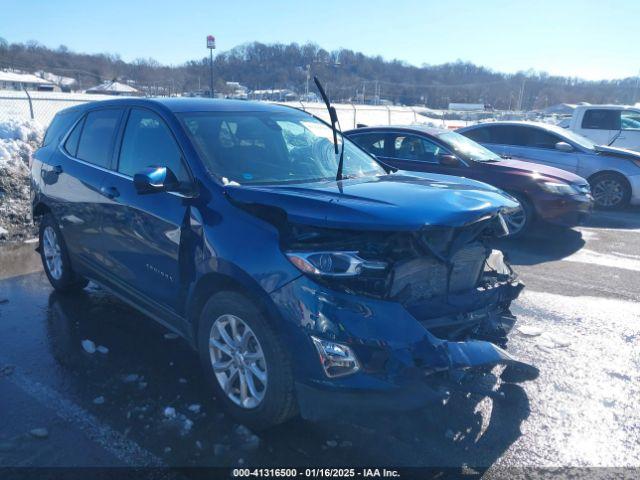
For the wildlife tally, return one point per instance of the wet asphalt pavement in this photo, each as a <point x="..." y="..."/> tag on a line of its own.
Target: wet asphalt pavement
<point x="578" y="321"/>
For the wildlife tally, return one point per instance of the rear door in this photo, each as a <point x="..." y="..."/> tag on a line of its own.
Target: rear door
<point x="72" y="178"/>
<point x="497" y="138"/>
<point x="143" y="234"/>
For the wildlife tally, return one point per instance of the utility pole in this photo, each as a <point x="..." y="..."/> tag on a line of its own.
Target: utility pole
<point x="211" y="45"/>
<point x="306" y="89"/>
<point x="521" y="99"/>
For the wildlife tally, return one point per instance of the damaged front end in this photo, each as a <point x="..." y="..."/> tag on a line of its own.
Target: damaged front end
<point x="394" y="309"/>
<point x="448" y="278"/>
<point x="419" y="310"/>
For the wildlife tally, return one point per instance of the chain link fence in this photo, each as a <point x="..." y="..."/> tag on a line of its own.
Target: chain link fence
<point x="39" y="106"/>
<point x="43" y="106"/>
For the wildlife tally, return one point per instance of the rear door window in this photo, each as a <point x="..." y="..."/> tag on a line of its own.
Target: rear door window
<point x="148" y="142"/>
<point x="412" y="147"/>
<point x="601" y="119"/>
<point x="480" y="135"/>
<point x="503" y="135"/>
<point x="98" y="135"/>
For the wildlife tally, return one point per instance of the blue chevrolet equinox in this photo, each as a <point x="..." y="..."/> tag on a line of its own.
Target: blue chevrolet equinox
<point x="303" y="293"/>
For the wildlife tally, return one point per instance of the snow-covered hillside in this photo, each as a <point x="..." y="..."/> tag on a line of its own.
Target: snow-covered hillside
<point x="18" y="141"/>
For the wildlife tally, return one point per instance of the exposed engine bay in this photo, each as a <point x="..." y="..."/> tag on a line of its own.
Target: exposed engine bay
<point x="450" y="279"/>
<point x="419" y="265"/>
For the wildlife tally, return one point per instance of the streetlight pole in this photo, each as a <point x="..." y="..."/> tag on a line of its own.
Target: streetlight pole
<point x="211" y="45"/>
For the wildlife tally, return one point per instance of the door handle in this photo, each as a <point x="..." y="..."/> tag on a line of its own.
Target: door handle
<point x="109" y="192"/>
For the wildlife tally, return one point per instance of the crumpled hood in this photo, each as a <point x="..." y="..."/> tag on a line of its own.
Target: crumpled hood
<point x="618" y="152"/>
<point x="523" y="167"/>
<point x="399" y="201"/>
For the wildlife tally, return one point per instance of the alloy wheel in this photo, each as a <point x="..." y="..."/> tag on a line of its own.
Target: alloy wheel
<point x="608" y="193"/>
<point x="52" y="252"/>
<point x="238" y="361"/>
<point x="516" y="220"/>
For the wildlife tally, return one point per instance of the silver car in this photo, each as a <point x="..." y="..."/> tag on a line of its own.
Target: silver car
<point x="613" y="173"/>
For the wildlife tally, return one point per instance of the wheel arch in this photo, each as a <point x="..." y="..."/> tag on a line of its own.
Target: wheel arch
<point x="39" y="209"/>
<point x="621" y="176"/>
<point x="609" y="172"/>
<point x="527" y="198"/>
<point x="214" y="282"/>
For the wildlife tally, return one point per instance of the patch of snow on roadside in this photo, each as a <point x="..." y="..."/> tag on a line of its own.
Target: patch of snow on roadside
<point x="18" y="141"/>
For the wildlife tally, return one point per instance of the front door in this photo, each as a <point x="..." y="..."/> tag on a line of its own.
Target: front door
<point x="417" y="153"/>
<point x="539" y="146"/>
<point x="144" y="233"/>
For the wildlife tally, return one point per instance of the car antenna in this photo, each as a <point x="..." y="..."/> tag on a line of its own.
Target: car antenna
<point x="334" y="120"/>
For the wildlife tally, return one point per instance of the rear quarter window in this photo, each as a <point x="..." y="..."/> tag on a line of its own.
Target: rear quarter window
<point x="60" y="125"/>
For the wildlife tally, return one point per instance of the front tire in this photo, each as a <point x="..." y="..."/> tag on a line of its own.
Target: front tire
<point x="245" y="361"/>
<point x="55" y="258"/>
<point x="520" y="221"/>
<point x="610" y="191"/>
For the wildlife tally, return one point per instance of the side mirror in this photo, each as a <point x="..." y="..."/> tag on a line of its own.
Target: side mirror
<point x="154" y="180"/>
<point x="564" y="147"/>
<point x="448" y="160"/>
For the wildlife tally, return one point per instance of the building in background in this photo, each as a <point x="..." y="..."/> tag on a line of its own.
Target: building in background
<point x="467" y="107"/>
<point x="17" y="80"/>
<point x="114" y="88"/>
<point x="66" y="84"/>
<point x="237" y="91"/>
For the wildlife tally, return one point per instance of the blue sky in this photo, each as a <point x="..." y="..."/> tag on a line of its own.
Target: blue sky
<point x="568" y="37"/>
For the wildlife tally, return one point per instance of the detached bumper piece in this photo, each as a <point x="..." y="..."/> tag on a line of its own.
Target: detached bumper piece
<point x="450" y="363"/>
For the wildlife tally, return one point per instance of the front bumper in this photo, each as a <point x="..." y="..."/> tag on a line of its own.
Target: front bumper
<point x="565" y="210"/>
<point x="403" y="364"/>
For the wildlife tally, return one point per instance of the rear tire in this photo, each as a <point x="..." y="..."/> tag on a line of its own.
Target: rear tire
<point x="610" y="191"/>
<point x="263" y="357"/>
<point x="55" y="258"/>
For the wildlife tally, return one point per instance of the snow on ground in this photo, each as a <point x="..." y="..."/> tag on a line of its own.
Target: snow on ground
<point x="18" y="141"/>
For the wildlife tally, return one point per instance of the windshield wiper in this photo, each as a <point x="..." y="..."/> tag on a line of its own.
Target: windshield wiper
<point x="334" y="120"/>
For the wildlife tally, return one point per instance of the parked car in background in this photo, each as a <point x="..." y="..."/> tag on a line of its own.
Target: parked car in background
<point x="544" y="193"/>
<point x="613" y="125"/>
<point x="225" y="222"/>
<point x="613" y="173"/>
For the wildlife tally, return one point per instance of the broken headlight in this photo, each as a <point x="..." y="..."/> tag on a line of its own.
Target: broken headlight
<point x="333" y="264"/>
<point x="337" y="360"/>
